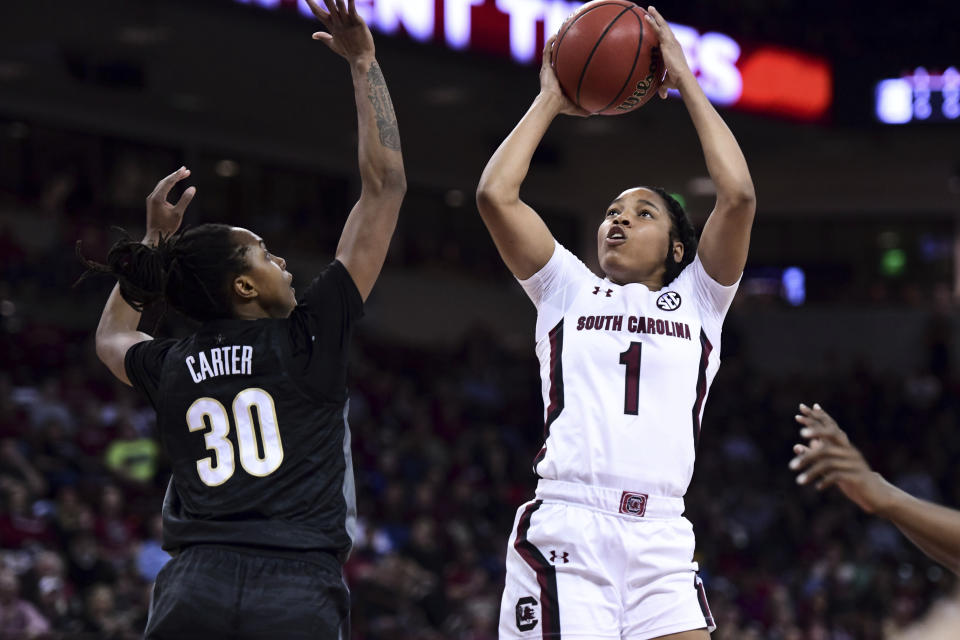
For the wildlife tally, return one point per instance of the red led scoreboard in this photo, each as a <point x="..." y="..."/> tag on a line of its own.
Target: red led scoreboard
<point x="760" y="78"/>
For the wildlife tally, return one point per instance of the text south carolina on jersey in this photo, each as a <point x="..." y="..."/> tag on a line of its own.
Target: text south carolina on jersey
<point x="635" y="324"/>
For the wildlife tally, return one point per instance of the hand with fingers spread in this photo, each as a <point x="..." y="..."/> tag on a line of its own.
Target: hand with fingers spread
<point x="550" y="85"/>
<point x="164" y="218"/>
<point x="347" y="34"/>
<point x="831" y="460"/>
<point x="678" y="71"/>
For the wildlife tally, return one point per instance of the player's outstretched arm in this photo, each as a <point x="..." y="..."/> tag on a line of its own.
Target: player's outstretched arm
<point x="366" y="235"/>
<point x="521" y="236"/>
<point x="831" y="460"/>
<point x="726" y="235"/>
<point x="117" y="331"/>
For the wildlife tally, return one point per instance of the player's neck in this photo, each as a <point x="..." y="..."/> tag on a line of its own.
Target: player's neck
<point x="653" y="282"/>
<point x="250" y="311"/>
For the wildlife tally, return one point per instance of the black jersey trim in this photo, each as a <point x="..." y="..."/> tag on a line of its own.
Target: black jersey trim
<point x="705" y="349"/>
<point x="546" y="575"/>
<point x="704" y="605"/>
<point x="555" y="394"/>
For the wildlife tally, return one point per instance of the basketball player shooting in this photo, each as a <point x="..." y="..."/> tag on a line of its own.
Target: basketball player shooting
<point x="626" y="360"/>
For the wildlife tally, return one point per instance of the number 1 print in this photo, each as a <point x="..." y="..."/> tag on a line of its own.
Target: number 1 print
<point x="631" y="395"/>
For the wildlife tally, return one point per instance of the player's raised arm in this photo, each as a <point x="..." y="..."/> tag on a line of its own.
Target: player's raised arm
<point x="367" y="232"/>
<point x="726" y="235"/>
<point x="831" y="460"/>
<point x="522" y="238"/>
<point x="139" y="269"/>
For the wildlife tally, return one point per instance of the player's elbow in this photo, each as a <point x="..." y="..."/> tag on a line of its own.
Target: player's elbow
<point x="395" y="182"/>
<point x="390" y="184"/>
<point x="740" y="197"/>
<point x="103" y="348"/>
<point x="105" y="343"/>
<point x="739" y="202"/>
<point x="493" y="198"/>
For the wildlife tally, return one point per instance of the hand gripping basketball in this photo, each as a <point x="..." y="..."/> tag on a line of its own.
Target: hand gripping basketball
<point x="550" y="86"/>
<point x="673" y="57"/>
<point x="607" y="57"/>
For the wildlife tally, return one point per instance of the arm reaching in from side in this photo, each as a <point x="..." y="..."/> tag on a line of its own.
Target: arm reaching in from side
<point x="117" y="331"/>
<point x="522" y="238"/>
<point x="726" y="235"/>
<point x="366" y="235"/>
<point x="830" y="460"/>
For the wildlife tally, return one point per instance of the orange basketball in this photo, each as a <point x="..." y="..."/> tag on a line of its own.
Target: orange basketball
<point x="607" y="57"/>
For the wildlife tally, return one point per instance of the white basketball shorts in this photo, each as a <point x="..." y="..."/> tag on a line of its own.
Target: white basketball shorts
<point x="589" y="562"/>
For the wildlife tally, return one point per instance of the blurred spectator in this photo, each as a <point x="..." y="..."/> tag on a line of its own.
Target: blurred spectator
<point x="103" y="617"/>
<point x="18" y="618"/>
<point x="17" y="467"/>
<point x="132" y="457"/>
<point x="150" y="556"/>
<point x="114" y="529"/>
<point x="53" y="592"/>
<point x="20" y="525"/>
<point x="87" y="567"/>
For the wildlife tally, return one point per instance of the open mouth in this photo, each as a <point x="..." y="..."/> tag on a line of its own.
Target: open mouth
<point x="616" y="236"/>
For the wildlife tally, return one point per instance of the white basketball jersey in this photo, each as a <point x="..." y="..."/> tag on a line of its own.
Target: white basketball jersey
<point x="625" y="373"/>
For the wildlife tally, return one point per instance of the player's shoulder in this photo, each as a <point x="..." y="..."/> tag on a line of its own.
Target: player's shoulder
<point x="691" y="274"/>
<point x="153" y="350"/>
<point x="565" y="262"/>
<point x="682" y="290"/>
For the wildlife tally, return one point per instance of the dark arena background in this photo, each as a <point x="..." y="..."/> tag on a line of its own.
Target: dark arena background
<point x="848" y="114"/>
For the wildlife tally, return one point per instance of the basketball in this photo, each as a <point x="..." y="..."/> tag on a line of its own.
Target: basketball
<point x="607" y="58"/>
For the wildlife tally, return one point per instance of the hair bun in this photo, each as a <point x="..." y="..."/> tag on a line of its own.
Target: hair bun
<point x="141" y="271"/>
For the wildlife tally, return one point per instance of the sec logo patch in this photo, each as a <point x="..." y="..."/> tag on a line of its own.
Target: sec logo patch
<point x="669" y="301"/>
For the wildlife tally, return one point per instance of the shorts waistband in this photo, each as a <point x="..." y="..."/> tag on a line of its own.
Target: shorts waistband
<point x="318" y="557"/>
<point x="622" y="501"/>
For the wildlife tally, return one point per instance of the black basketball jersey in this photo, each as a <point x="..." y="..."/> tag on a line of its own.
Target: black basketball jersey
<point x="253" y="416"/>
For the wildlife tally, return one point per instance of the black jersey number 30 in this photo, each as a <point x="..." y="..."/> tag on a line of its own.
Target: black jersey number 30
<point x="631" y="395"/>
<point x="208" y="413"/>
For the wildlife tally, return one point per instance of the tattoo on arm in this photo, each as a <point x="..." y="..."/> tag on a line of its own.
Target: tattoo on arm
<point x="383" y="108"/>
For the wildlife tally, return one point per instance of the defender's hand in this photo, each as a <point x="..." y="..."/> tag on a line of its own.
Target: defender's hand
<point x="550" y="85"/>
<point x="164" y="218"/>
<point x="347" y="34"/>
<point x="831" y="460"/>
<point x="678" y="72"/>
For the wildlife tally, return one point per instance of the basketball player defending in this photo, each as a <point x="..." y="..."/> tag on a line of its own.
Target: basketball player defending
<point x="252" y="407"/>
<point x="626" y="361"/>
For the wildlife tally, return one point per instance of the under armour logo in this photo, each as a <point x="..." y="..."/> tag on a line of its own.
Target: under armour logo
<point x="596" y="290"/>
<point x="563" y="556"/>
<point x="219" y="339"/>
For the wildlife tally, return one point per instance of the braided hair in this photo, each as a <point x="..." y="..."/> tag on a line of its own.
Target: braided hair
<point x="681" y="229"/>
<point x="190" y="270"/>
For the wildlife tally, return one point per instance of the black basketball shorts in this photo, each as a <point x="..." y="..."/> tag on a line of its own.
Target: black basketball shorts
<point x="214" y="591"/>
